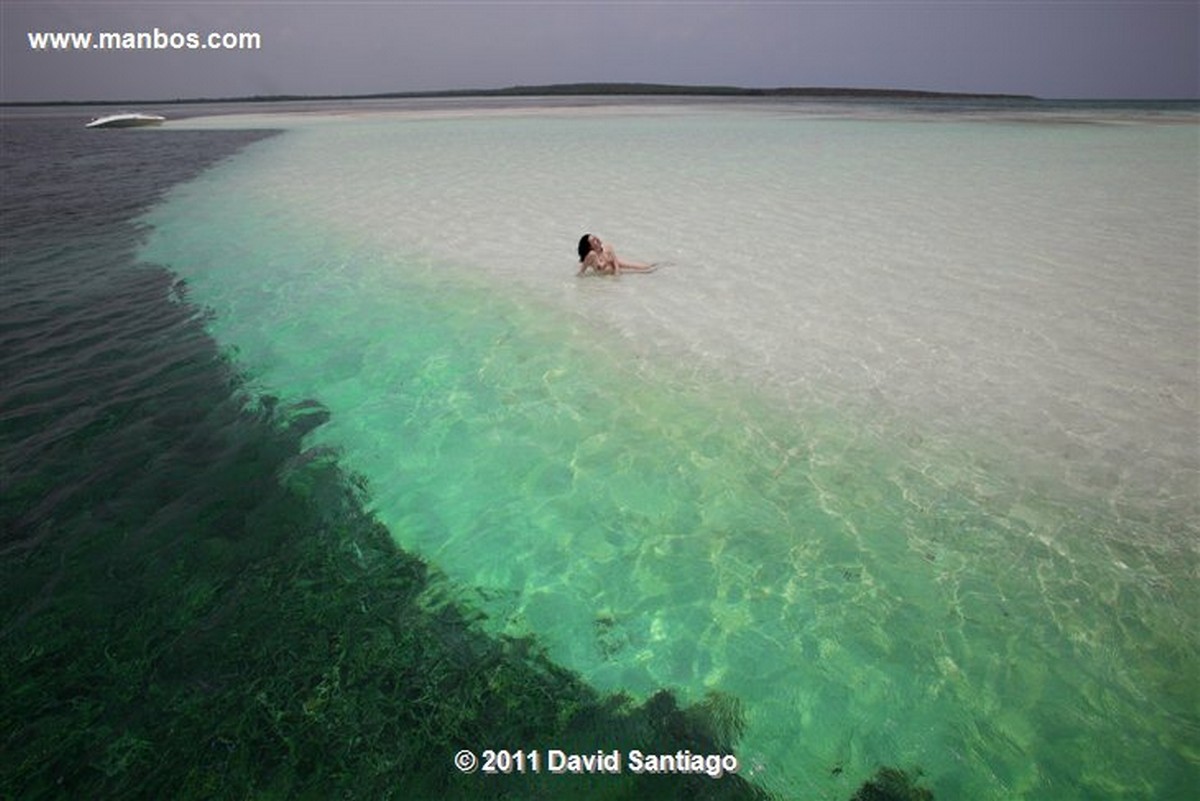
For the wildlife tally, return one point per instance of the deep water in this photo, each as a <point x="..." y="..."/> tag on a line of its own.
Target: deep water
<point x="193" y="604"/>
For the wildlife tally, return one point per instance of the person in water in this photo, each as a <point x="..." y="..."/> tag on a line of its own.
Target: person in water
<point x="601" y="258"/>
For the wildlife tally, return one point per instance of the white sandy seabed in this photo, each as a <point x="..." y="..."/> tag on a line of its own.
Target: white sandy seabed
<point x="899" y="446"/>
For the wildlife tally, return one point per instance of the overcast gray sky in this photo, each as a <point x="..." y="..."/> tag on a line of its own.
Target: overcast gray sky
<point x="1049" y="48"/>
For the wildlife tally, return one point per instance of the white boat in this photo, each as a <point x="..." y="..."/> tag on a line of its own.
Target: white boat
<point x="126" y="120"/>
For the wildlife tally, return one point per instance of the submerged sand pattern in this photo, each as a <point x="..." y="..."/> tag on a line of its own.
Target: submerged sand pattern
<point x="898" y="449"/>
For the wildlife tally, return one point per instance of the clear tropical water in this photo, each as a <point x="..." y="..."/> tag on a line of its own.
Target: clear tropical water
<point x="899" y="448"/>
<point x="192" y="603"/>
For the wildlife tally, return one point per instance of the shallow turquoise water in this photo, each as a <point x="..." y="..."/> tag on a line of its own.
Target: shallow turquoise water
<point x="874" y="476"/>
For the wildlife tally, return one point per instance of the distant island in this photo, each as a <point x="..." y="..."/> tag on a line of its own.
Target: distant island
<point x="574" y="89"/>
<point x="735" y="91"/>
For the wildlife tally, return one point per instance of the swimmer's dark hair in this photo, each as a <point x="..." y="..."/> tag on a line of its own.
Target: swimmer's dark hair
<point x="585" y="246"/>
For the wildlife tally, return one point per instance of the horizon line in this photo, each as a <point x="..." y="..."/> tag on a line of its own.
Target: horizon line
<point x="581" y="89"/>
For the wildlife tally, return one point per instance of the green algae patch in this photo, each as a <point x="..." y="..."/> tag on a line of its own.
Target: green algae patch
<point x="254" y="633"/>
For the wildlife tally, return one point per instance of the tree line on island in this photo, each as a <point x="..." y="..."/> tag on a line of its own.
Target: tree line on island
<point x="587" y="89"/>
